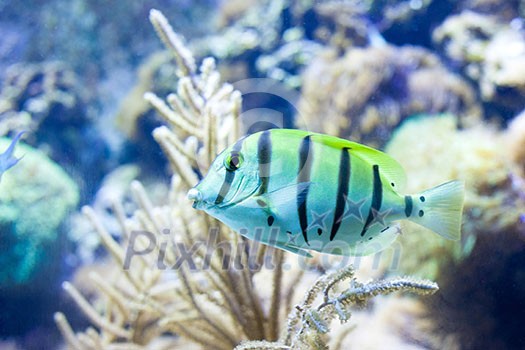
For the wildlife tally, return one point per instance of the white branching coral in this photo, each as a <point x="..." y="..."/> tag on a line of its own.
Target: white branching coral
<point x="309" y="324"/>
<point x="153" y="298"/>
<point x="165" y="286"/>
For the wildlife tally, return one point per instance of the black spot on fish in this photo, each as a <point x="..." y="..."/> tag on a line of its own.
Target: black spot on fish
<point x="271" y="219"/>
<point x="422" y="198"/>
<point x="289" y="232"/>
<point x="421" y="213"/>
<point x="370" y="238"/>
<point x="319" y="231"/>
<point x="261" y="203"/>
<point x="386" y="228"/>
<point x="393" y="184"/>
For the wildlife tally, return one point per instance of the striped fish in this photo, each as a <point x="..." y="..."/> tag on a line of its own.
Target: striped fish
<point x="302" y="191"/>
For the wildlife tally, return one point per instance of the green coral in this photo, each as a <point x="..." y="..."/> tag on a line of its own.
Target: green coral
<point x="35" y="196"/>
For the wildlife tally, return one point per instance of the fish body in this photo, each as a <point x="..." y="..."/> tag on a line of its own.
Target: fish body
<point x="302" y="191"/>
<point x="7" y="159"/>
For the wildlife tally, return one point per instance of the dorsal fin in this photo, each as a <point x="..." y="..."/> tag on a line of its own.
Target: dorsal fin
<point x="390" y="169"/>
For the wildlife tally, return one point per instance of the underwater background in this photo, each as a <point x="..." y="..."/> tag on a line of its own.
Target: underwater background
<point x="125" y="108"/>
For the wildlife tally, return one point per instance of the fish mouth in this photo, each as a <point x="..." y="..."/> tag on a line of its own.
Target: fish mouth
<point x="196" y="196"/>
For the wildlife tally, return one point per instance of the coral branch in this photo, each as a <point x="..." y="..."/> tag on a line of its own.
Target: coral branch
<point x="361" y="293"/>
<point x="184" y="58"/>
<point x="67" y="332"/>
<point x="172" y="117"/>
<point x="93" y="315"/>
<point x="260" y="345"/>
<point x="315" y="321"/>
<point x="275" y="303"/>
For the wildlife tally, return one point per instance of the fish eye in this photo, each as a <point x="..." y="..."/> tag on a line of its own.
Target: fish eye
<point x="233" y="161"/>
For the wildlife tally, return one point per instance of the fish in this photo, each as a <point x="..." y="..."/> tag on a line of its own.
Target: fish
<point x="7" y="159"/>
<point x="302" y="191"/>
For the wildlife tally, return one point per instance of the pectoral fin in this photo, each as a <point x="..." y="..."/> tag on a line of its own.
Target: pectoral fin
<point x="285" y="195"/>
<point x="294" y="250"/>
<point x="380" y="242"/>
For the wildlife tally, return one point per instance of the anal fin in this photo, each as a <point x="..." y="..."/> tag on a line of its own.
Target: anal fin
<point x="380" y="242"/>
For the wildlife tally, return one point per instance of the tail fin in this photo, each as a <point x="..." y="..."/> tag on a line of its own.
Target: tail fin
<point x="440" y="209"/>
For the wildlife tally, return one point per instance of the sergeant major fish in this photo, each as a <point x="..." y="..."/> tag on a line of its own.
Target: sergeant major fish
<point x="301" y="191"/>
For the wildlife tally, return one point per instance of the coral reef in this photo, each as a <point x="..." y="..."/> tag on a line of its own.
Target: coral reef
<point x="514" y="142"/>
<point x="285" y="63"/>
<point x="32" y="93"/>
<point x="463" y="38"/>
<point x="48" y="99"/>
<point x="343" y="24"/>
<point x="368" y="92"/>
<point x="270" y="31"/>
<point x="103" y="41"/>
<point x="504" y="68"/>
<point x="504" y="10"/>
<point x="166" y="285"/>
<point x="134" y="106"/>
<point x="113" y="188"/>
<point x="490" y="52"/>
<point x="35" y="197"/>
<point x="339" y="23"/>
<point x="278" y="39"/>
<point x="102" y="50"/>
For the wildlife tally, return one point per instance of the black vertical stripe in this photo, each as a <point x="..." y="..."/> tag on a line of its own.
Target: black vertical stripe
<point x="342" y="191"/>
<point x="408" y="206"/>
<point x="229" y="176"/>
<point x="264" y="158"/>
<point x="225" y="188"/>
<point x="303" y="175"/>
<point x="377" y="198"/>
